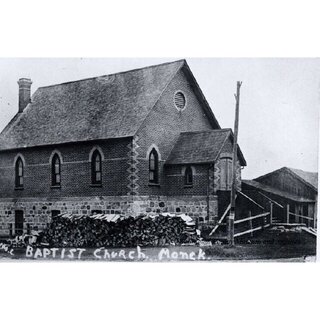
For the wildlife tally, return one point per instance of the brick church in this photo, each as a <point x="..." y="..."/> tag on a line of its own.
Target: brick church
<point x="136" y="142"/>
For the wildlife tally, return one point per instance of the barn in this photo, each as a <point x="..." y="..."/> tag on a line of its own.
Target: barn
<point x="137" y="142"/>
<point x="292" y="193"/>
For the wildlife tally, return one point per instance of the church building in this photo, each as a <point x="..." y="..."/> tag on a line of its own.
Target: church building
<point x="137" y="142"/>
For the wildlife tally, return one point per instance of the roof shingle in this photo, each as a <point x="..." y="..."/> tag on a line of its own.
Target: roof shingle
<point x="310" y="177"/>
<point x="200" y="147"/>
<point x="275" y="191"/>
<point x="104" y="107"/>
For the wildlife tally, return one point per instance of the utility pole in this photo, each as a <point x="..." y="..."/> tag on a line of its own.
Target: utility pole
<point x="234" y="166"/>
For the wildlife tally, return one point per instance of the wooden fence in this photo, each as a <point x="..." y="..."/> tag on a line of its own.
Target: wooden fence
<point x="247" y="225"/>
<point x="220" y="220"/>
<point x="304" y="218"/>
<point x="252" y="223"/>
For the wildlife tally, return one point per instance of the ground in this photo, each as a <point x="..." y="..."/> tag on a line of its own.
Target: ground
<point x="267" y="246"/>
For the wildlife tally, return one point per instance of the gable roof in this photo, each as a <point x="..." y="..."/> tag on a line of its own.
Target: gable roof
<point x="201" y="147"/>
<point x="308" y="178"/>
<point x="274" y="191"/>
<point x="103" y="107"/>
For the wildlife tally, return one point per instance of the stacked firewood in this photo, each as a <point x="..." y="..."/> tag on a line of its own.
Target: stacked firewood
<point x="118" y="231"/>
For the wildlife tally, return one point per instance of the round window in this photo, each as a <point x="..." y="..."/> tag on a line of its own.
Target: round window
<point x="180" y="100"/>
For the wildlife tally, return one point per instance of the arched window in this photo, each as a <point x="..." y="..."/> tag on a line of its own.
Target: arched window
<point x="188" y="176"/>
<point x="56" y="171"/>
<point x="19" y="173"/>
<point x="96" y="168"/>
<point x="153" y="166"/>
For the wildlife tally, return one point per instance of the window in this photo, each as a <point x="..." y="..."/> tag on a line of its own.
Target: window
<point x="180" y="100"/>
<point x="56" y="171"/>
<point x="188" y="176"/>
<point x="19" y="173"/>
<point x="226" y="174"/>
<point x="96" y="168"/>
<point x="153" y="166"/>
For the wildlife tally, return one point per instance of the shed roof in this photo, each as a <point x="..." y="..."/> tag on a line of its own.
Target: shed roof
<point x="103" y="107"/>
<point x="309" y="178"/>
<point x="274" y="191"/>
<point x="201" y="147"/>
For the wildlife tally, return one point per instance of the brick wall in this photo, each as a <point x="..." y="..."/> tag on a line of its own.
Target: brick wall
<point x="163" y="126"/>
<point x="125" y="187"/>
<point x="175" y="180"/>
<point x="75" y="170"/>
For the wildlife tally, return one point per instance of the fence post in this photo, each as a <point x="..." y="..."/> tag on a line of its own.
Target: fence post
<point x="271" y="212"/>
<point x="288" y="219"/>
<point x="250" y="223"/>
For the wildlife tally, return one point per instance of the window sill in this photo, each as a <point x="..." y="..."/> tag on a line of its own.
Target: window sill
<point x="18" y="188"/>
<point x="152" y="184"/>
<point x="188" y="186"/>
<point x="96" y="185"/>
<point x="55" y="187"/>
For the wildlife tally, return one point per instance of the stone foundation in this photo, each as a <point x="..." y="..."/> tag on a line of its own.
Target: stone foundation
<point x="37" y="213"/>
<point x="194" y="206"/>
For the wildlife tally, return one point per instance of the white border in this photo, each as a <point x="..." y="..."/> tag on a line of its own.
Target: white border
<point x="149" y="29"/>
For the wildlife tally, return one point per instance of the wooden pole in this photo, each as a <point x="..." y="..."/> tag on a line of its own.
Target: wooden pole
<point x="234" y="166"/>
<point x="250" y="223"/>
<point x="271" y="212"/>
<point x="288" y="218"/>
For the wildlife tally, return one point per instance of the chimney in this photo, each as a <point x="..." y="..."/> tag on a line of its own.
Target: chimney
<point x="24" y="93"/>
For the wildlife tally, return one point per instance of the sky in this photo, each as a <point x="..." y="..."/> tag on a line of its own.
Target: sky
<point x="279" y="99"/>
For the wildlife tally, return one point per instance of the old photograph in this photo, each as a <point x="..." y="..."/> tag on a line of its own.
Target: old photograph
<point x="189" y="159"/>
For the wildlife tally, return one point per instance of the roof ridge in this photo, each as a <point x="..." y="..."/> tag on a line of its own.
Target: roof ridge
<point x="290" y="168"/>
<point x="204" y="102"/>
<point x="302" y="178"/>
<point x="183" y="62"/>
<point x="269" y="173"/>
<point x="206" y="131"/>
<point x="292" y="172"/>
<point x="275" y="190"/>
<point x="133" y="95"/>
<point x="113" y="74"/>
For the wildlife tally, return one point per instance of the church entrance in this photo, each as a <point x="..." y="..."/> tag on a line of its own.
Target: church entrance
<point x="18" y="219"/>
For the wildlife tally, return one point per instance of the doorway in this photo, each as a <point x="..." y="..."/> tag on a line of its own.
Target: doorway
<point x="18" y="219"/>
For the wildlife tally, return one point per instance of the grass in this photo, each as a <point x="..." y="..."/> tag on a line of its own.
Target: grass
<point x="267" y="245"/>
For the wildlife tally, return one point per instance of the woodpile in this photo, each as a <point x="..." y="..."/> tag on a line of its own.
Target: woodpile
<point x="105" y="230"/>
